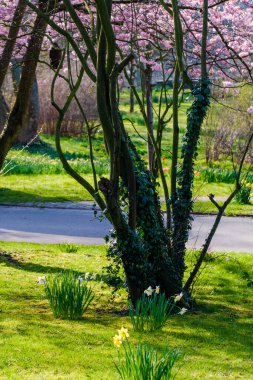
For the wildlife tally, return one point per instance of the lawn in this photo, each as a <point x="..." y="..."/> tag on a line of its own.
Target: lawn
<point x="215" y="339"/>
<point x="35" y="174"/>
<point x="41" y="188"/>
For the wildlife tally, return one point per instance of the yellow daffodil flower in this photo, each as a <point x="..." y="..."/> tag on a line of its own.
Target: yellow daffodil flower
<point x="117" y="341"/>
<point x="157" y="289"/>
<point x="123" y="333"/>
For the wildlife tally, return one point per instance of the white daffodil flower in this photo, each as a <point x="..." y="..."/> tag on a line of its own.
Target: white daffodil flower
<point x="87" y="276"/>
<point x="178" y="297"/>
<point x="183" y="311"/>
<point x="42" y="280"/>
<point x="93" y="276"/>
<point x="149" y="291"/>
<point x="80" y="280"/>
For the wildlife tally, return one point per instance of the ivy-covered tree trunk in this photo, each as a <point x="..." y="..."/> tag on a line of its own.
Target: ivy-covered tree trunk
<point x="150" y="254"/>
<point x="182" y="199"/>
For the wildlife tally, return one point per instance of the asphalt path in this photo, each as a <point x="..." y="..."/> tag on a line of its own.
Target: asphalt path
<point x="47" y="225"/>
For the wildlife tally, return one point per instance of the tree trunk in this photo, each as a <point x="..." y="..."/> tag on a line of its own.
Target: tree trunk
<point x="29" y="130"/>
<point x="182" y="201"/>
<point x="131" y="108"/>
<point x="19" y="112"/>
<point x="4" y="110"/>
<point x="150" y="118"/>
<point x="11" y="40"/>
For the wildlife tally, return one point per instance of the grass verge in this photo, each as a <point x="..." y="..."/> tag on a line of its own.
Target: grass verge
<point x="62" y="188"/>
<point x="216" y="340"/>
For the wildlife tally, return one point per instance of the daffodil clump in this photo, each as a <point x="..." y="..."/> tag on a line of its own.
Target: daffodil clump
<point x="143" y="361"/>
<point x="245" y="193"/>
<point x="68" y="294"/>
<point x="153" y="310"/>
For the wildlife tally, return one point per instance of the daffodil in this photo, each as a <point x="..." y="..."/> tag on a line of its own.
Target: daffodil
<point x="123" y="333"/>
<point x="149" y="291"/>
<point x="117" y="341"/>
<point x="178" y="297"/>
<point x="42" y="280"/>
<point x="93" y="276"/>
<point x="183" y="311"/>
<point x="87" y="276"/>
<point x="80" y="280"/>
<point x="157" y="289"/>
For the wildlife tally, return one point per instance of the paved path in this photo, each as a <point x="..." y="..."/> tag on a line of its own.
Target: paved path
<point x="49" y="225"/>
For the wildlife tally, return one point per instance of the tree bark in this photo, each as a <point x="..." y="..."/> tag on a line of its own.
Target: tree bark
<point x="11" y="40"/>
<point x="29" y="130"/>
<point x="20" y="109"/>
<point x="4" y="110"/>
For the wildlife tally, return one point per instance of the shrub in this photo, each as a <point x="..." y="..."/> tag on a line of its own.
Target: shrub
<point x="68" y="295"/>
<point x="244" y="194"/>
<point x="227" y="129"/>
<point x="73" y="124"/>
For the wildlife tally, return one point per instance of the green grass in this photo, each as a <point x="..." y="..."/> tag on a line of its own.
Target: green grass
<point x="207" y="207"/>
<point x="35" y="174"/>
<point x="43" y="158"/>
<point x="42" y="188"/>
<point x="62" y="188"/>
<point x="216" y="339"/>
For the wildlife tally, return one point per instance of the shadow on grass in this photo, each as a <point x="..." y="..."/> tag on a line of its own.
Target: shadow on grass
<point x="15" y="196"/>
<point x="11" y="261"/>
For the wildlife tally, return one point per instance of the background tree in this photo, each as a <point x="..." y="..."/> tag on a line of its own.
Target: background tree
<point x="12" y="55"/>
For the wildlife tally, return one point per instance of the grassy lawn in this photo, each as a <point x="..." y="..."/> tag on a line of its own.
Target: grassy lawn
<point x="215" y="340"/>
<point x="62" y="188"/>
<point x="207" y="207"/>
<point x="42" y="188"/>
<point x="36" y="174"/>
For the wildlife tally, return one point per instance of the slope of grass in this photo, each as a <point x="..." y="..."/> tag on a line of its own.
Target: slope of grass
<point x="215" y="340"/>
